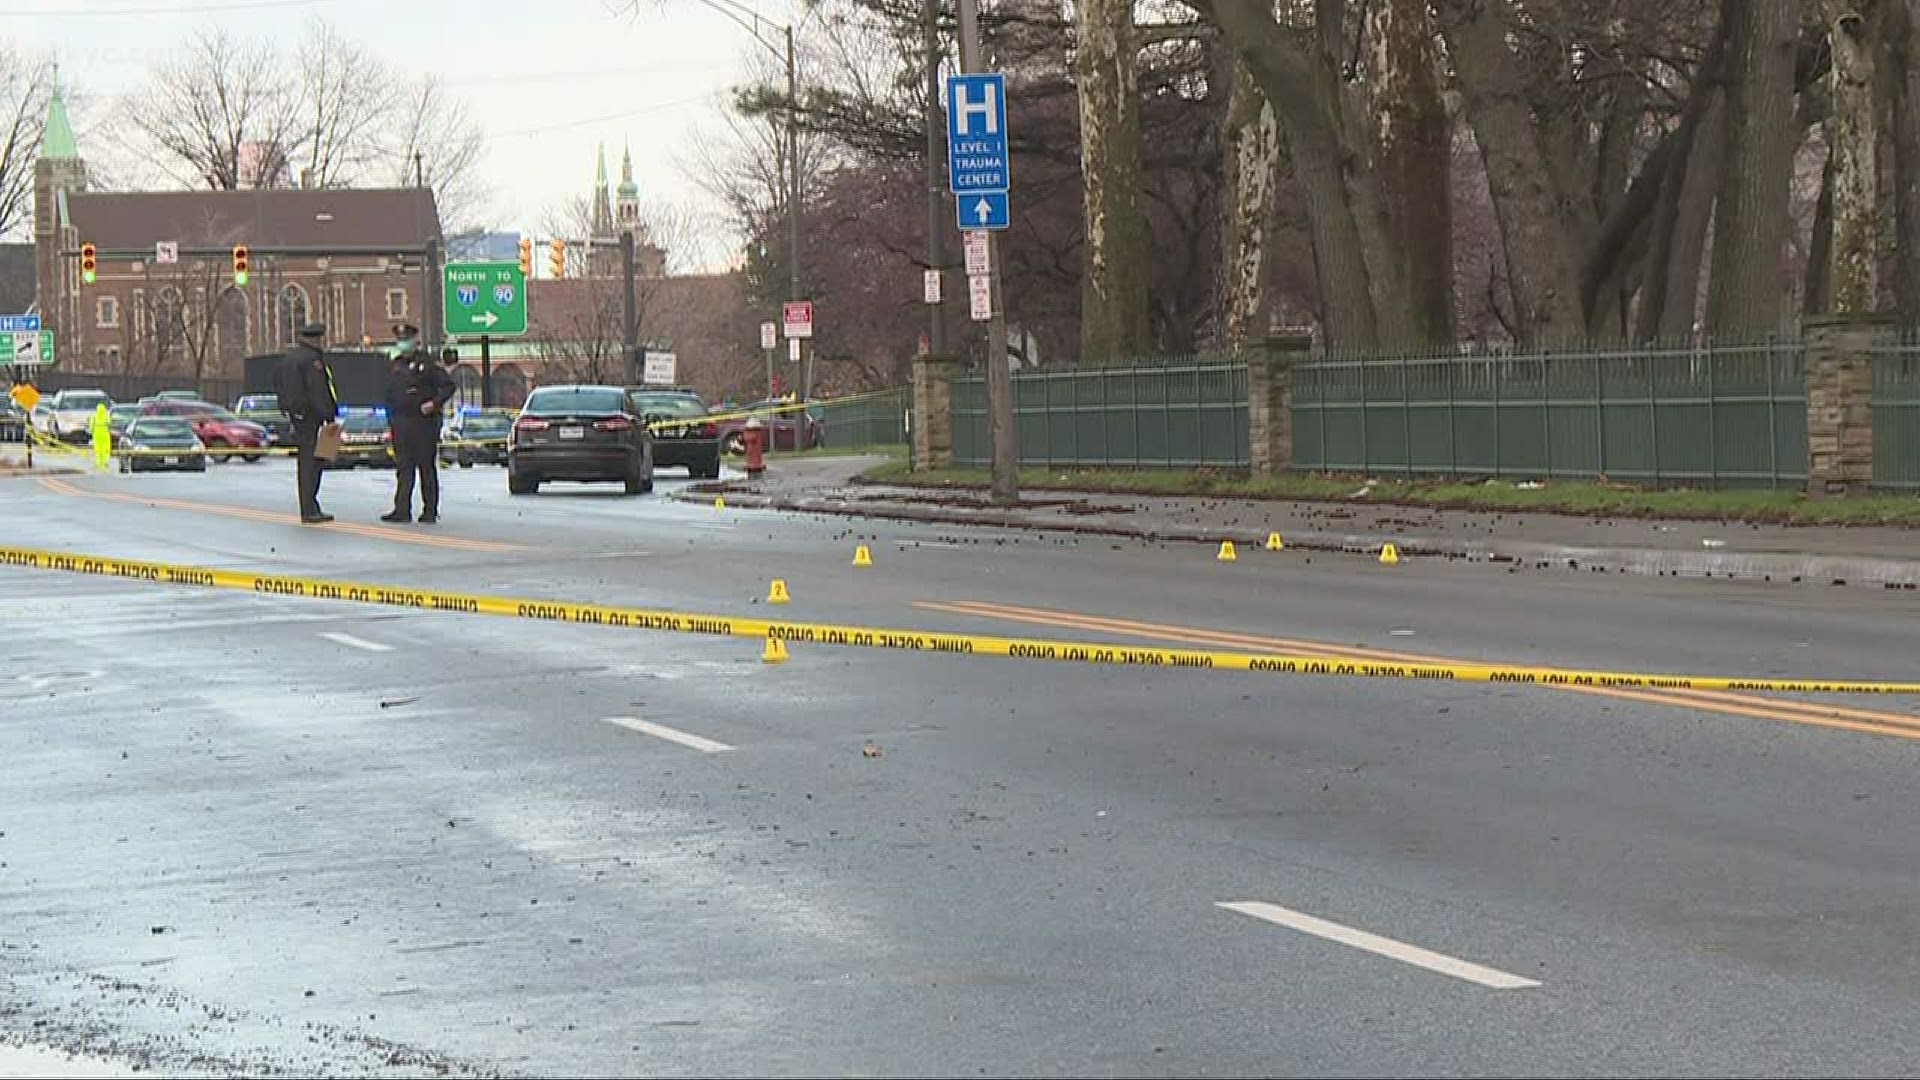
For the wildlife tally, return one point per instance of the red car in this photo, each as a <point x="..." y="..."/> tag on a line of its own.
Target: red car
<point x="215" y="426"/>
<point x="785" y="425"/>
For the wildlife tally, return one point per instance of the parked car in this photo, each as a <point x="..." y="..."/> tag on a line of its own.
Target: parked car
<point x="118" y="417"/>
<point x="264" y="409"/>
<point x="583" y="433"/>
<point x="472" y="436"/>
<point x="809" y="423"/>
<point x="694" y="443"/>
<point x="68" y="414"/>
<point x="178" y="395"/>
<point x="364" y="439"/>
<point x="161" y="442"/>
<point x="217" y="427"/>
<point x="13" y="421"/>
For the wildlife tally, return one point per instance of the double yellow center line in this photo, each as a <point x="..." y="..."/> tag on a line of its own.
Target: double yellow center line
<point x="1898" y="725"/>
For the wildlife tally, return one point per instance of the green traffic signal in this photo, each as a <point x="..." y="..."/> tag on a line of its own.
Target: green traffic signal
<point x="87" y="276"/>
<point x="239" y="277"/>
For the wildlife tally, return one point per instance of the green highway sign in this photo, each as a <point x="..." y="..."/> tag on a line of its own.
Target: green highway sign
<point x="484" y="298"/>
<point x="46" y="346"/>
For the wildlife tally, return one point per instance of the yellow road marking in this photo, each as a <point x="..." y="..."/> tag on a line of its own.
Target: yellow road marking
<point x="1898" y="725"/>
<point x="273" y="517"/>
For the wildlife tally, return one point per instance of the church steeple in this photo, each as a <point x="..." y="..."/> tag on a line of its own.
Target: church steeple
<point x="602" y="205"/>
<point x="57" y="142"/>
<point x="627" y="206"/>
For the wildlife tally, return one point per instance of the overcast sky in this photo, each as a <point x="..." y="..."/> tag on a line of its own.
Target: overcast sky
<point x="549" y="79"/>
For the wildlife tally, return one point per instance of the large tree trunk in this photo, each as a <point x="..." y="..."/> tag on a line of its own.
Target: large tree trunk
<point x="1854" y="138"/>
<point x="1670" y="295"/>
<point x="1750" y="227"/>
<point x="1413" y="151"/>
<point x="1539" y="225"/>
<point x="1816" y="295"/>
<point x="1115" y="320"/>
<point x="1252" y="142"/>
<point x="1903" y="54"/>
<point x="1320" y="165"/>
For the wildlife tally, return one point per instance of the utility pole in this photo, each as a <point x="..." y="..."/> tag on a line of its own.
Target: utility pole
<point x="1000" y="432"/>
<point x="630" y="349"/>
<point x="936" y="229"/>
<point x="805" y="371"/>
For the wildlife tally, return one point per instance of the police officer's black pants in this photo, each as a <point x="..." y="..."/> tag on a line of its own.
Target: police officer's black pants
<point x="414" y="452"/>
<point x="306" y="437"/>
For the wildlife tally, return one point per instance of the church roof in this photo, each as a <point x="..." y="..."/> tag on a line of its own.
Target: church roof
<point x="57" y="142"/>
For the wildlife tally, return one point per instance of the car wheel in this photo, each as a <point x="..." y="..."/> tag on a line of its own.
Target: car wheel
<point x="250" y="458"/>
<point x="126" y="466"/>
<point x="216" y="445"/>
<point x="466" y="463"/>
<point x="198" y="466"/>
<point x="709" y="471"/>
<point x="522" y="485"/>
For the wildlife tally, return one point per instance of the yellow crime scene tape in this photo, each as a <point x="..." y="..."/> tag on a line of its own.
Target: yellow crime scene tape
<point x="906" y="640"/>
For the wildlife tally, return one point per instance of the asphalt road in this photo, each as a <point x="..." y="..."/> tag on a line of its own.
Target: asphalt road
<point x="244" y="834"/>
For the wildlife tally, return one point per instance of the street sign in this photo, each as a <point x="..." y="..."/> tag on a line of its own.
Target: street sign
<point x="980" y="297"/>
<point x="484" y="298"/>
<point x="26" y="348"/>
<point x="793" y="349"/>
<point x="46" y="346"/>
<point x="977" y="133"/>
<point x="15" y="324"/>
<point x="661" y="369"/>
<point x="987" y="210"/>
<point x="978" y="259"/>
<point x="166" y="252"/>
<point x="25" y="396"/>
<point x="797" y="316"/>
<point x="769" y="336"/>
<point x="930" y="287"/>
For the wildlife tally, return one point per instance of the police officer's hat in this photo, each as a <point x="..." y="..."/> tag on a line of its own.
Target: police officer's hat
<point x="402" y="331"/>
<point x="314" y="331"/>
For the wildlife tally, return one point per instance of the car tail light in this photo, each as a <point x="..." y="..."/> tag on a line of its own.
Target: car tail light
<point x="618" y="423"/>
<point x="528" y="423"/>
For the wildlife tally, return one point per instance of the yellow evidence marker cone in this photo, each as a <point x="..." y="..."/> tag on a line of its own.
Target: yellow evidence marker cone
<point x="719" y="502"/>
<point x="1274" y="543"/>
<point x="776" y="652"/>
<point x="1227" y="554"/>
<point x="777" y="592"/>
<point x="1389" y="555"/>
<point x="862" y="557"/>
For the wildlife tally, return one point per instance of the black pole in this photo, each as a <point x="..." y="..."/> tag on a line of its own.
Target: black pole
<point x="936" y="191"/>
<point x="486" y="371"/>
<point x="630" y="302"/>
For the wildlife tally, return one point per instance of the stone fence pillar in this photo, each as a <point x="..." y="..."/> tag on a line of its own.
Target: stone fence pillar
<point x="1839" y="371"/>
<point x="933" y="411"/>
<point x="1270" y="400"/>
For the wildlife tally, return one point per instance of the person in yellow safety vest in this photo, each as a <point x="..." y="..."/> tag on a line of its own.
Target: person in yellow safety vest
<point x="102" y="437"/>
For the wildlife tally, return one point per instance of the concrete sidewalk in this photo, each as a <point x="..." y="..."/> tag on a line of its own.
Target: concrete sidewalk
<point x="1863" y="555"/>
<point x="13" y="462"/>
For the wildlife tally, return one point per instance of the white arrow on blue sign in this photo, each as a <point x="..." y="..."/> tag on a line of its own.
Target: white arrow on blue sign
<point x="977" y="133"/>
<point x="987" y="210"/>
<point x="19" y="324"/>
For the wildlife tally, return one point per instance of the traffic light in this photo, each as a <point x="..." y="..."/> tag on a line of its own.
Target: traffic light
<point x="89" y="265"/>
<point x="526" y="257"/>
<point x="558" y="257"/>
<point x="240" y="267"/>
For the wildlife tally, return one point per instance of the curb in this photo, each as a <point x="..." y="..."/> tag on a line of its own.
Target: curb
<point x="1776" y="567"/>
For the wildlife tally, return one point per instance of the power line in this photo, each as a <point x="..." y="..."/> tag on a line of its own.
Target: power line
<point x="660" y="107"/>
<point x="187" y="9"/>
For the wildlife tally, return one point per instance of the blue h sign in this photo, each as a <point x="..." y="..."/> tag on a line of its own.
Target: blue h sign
<point x="976" y="134"/>
<point x="19" y="324"/>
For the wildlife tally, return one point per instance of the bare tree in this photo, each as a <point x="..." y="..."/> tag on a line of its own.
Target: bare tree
<point x="219" y="114"/>
<point x="25" y="84"/>
<point x="431" y="131"/>
<point x="347" y="101"/>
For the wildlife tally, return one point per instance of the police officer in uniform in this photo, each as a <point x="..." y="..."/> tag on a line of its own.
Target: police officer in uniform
<point x="418" y="389"/>
<point x="307" y="397"/>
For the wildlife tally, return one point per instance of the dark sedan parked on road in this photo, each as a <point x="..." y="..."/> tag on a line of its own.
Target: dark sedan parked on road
<point x="681" y="434"/>
<point x="579" y="433"/>
<point x="476" y="437"/>
<point x="161" y="442"/>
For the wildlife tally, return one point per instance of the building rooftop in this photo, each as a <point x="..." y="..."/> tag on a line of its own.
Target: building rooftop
<point x="370" y="219"/>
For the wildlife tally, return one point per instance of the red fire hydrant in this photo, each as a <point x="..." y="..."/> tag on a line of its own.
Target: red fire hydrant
<point x="755" y="436"/>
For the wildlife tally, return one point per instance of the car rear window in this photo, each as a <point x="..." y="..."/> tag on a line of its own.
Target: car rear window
<point x="82" y="400"/>
<point x="360" y="423"/>
<point x="486" y="425"/>
<point x="576" y="401"/>
<point x="671" y="404"/>
<point x="155" y="427"/>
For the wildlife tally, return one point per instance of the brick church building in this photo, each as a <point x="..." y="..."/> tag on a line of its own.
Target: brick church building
<point x="356" y="260"/>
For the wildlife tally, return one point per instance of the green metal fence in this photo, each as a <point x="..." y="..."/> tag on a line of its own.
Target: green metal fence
<point x="877" y="422"/>
<point x="1732" y="416"/>
<point x="1896" y="414"/>
<point x="1179" y="415"/>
